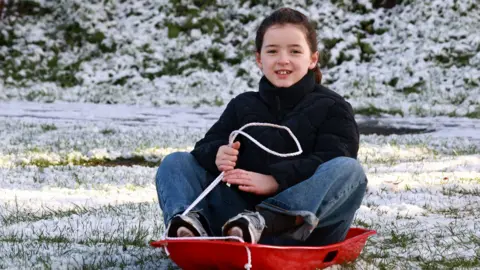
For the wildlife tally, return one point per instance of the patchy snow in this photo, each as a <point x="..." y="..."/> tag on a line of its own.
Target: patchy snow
<point x="418" y="62"/>
<point x="422" y="195"/>
<point x="186" y="117"/>
<point x="63" y="133"/>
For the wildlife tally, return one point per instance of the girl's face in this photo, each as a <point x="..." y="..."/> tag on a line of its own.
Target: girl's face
<point x="285" y="56"/>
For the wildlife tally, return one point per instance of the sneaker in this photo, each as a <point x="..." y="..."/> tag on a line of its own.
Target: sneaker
<point x="186" y="226"/>
<point x="247" y="225"/>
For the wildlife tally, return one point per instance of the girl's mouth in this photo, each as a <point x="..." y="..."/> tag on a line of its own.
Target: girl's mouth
<point x="283" y="72"/>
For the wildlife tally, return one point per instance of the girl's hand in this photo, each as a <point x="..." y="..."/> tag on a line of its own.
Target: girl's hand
<point x="252" y="182"/>
<point x="227" y="157"/>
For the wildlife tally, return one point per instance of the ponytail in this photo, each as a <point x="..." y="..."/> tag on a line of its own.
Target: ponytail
<point x="318" y="74"/>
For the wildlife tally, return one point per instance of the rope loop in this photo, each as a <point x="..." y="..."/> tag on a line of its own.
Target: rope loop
<point x="234" y="134"/>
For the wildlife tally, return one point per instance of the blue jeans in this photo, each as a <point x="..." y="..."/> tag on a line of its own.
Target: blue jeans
<point x="327" y="200"/>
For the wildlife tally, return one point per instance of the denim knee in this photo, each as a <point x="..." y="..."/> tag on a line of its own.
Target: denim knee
<point x="350" y="164"/>
<point x="176" y="159"/>
<point x="173" y="161"/>
<point x="344" y="167"/>
<point x="347" y="163"/>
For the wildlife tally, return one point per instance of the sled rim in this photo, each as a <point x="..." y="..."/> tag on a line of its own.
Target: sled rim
<point x="365" y="234"/>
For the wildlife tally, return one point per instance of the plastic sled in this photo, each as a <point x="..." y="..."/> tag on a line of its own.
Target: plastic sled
<point x="220" y="254"/>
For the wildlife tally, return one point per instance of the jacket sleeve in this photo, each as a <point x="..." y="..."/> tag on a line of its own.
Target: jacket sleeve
<point x="337" y="136"/>
<point x="205" y="150"/>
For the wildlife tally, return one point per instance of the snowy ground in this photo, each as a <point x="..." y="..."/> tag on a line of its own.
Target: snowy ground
<point x="66" y="204"/>
<point x="77" y="178"/>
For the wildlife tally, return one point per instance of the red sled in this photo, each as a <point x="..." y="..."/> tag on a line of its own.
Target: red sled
<point x="220" y="254"/>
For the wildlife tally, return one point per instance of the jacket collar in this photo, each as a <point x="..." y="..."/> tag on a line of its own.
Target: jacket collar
<point x="286" y="97"/>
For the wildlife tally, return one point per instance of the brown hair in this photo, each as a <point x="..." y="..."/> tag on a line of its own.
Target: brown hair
<point x="284" y="16"/>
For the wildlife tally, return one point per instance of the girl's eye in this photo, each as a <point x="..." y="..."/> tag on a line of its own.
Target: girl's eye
<point x="271" y="51"/>
<point x="295" y="52"/>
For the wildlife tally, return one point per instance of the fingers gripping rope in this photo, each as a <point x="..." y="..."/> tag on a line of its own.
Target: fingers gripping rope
<point x="217" y="180"/>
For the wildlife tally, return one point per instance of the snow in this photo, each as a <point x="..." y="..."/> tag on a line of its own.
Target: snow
<point x="57" y="210"/>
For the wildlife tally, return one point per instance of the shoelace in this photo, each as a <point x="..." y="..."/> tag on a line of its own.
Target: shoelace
<point x="255" y="220"/>
<point x="258" y="224"/>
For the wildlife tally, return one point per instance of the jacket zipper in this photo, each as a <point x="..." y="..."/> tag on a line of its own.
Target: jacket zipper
<point x="279" y="117"/>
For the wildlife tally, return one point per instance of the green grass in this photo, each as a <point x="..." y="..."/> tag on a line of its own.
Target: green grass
<point x="133" y="161"/>
<point x="118" y="239"/>
<point x="455" y="263"/>
<point x="461" y="191"/>
<point x="417" y="87"/>
<point x="388" y="250"/>
<point x="473" y="180"/>
<point x="374" y="111"/>
<point x="107" y="131"/>
<point x="399" y="239"/>
<point x="475" y="114"/>
<point x="16" y="215"/>
<point x="47" y="127"/>
<point x="118" y="235"/>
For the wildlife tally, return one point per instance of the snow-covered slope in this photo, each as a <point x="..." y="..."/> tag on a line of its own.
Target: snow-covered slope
<point x="418" y="58"/>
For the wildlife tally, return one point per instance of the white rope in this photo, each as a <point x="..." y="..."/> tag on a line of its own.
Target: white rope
<point x="204" y="193"/>
<point x="217" y="180"/>
<point x="232" y="137"/>
<point x="234" y="134"/>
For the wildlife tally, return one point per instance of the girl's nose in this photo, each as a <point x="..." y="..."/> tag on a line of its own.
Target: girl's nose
<point x="283" y="59"/>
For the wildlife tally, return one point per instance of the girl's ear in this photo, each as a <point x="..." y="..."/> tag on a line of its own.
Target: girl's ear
<point x="258" y="59"/>
<point x="314" y="60"/>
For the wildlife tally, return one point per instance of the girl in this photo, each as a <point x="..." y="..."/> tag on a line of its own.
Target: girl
<point x="309" y="199"/>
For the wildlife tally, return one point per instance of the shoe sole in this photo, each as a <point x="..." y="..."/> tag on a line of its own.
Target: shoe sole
<point x="241" y="224"/>
<point x="177" y="224"/>
<point x="236" y="232"/>
<point x="184" y="232"/>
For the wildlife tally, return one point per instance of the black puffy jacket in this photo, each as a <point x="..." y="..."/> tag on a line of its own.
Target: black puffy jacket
<point x="321" y="119"/>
